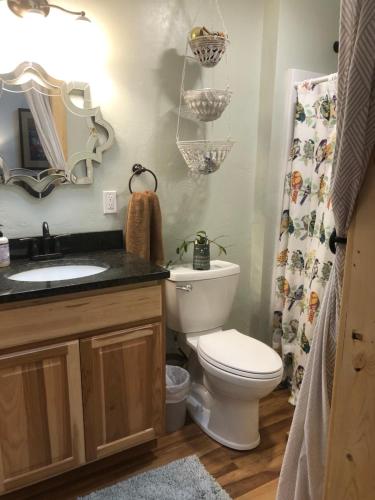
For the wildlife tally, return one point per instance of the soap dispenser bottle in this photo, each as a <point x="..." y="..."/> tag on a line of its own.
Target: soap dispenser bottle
<point x="4" y="251"/>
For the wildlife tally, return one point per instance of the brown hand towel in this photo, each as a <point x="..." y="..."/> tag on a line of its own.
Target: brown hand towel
<point x="143" y="235"/>
<point x="156" y="234"/>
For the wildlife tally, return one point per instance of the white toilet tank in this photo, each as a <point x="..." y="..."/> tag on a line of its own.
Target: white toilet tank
<point x="200" y="300"/>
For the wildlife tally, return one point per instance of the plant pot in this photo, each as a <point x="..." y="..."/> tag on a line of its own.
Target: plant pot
<point x="201" y="256"/>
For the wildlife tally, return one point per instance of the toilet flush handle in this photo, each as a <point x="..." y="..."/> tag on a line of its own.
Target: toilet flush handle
<point x="185" y="288"/>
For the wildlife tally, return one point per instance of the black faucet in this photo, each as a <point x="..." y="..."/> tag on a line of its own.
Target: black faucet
<point x="46" y="239"/>
<point x="45" y="229"/>
<point x="45" y="248"/>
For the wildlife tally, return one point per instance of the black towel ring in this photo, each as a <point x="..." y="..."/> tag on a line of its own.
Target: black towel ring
<point x="138" y="169"/>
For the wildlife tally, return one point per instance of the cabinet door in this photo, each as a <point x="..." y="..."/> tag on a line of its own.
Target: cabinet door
<point x="41" y="422"/>
<point x="123" y="389"/>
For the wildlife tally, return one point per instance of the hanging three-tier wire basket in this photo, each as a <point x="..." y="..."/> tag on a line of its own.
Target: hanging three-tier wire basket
<point x="205" y="105"/>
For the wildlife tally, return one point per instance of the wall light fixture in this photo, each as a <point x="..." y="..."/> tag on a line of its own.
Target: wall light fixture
<point x="24" y="7"/>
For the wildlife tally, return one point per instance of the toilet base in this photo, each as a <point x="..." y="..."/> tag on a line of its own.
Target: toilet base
<point x="230" y="422"/>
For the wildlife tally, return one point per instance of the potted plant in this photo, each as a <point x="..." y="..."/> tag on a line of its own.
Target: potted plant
<point x="201" y="252"/>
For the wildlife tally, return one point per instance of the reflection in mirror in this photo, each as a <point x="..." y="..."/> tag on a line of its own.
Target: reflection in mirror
<point x="49" y="133"/>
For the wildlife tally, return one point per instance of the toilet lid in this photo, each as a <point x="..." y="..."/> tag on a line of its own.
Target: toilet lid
<point x="240" y="354"/>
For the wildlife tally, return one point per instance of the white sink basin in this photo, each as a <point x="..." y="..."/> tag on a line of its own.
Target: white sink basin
<point x="58" y="273"/>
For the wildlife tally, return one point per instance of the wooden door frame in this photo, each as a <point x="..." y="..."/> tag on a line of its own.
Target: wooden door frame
<point x="351" y="441"/>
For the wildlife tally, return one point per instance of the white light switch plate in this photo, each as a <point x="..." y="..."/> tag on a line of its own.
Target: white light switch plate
<point x="110" y="202"/>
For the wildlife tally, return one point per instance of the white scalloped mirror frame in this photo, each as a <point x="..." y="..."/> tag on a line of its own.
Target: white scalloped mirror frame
<point x="30" y="75"/>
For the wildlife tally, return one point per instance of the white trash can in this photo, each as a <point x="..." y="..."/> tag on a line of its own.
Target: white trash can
<point x="177" y="390"/>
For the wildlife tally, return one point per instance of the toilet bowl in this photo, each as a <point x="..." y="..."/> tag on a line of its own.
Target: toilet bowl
<point x="230" y="371"/>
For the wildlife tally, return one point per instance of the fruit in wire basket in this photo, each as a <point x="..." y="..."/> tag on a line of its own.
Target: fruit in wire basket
<point x="196" y="32"/>
<point x="199" y="31"/>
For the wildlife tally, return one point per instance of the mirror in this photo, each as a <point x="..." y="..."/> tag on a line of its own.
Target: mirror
<point x="49" y="132"/>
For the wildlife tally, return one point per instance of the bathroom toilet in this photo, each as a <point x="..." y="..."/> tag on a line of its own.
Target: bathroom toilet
<point x="230" y="371"/>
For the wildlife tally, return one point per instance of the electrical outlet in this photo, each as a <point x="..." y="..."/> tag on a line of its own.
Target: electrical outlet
<point x="109" y="202"/>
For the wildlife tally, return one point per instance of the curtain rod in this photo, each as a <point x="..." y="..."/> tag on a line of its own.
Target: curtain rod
<point x="318" y="80"/>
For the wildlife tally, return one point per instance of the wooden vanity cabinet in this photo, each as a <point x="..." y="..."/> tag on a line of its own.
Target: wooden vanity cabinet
<point x="81" y="377"/>
<point x="41" y="425"/>
<point x="123" y="390"/>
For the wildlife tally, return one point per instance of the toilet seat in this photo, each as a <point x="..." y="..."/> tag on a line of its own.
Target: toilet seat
<point x="239" y="354"/>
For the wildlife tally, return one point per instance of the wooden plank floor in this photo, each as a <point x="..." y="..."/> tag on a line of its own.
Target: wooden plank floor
<point x="245" y="475"/>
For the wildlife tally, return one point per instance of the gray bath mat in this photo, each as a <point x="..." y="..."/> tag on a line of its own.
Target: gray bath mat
<point x="184" y="479"/>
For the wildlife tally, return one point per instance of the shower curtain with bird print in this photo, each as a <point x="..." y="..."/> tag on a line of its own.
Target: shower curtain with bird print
<point x="304" y="260"/>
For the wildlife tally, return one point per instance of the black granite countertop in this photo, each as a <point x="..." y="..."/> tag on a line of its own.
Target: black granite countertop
<point x="123" y="269"/>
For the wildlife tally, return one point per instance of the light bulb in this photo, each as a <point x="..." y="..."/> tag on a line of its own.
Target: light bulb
<point x="34" y="18"/>
<point x="83" y="18"/>
<point x="29" y="14"/>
